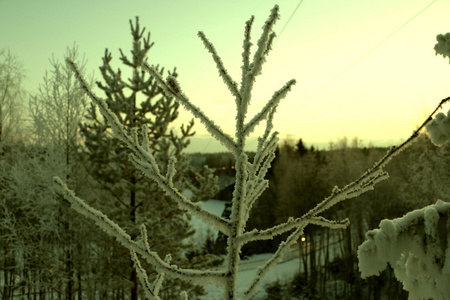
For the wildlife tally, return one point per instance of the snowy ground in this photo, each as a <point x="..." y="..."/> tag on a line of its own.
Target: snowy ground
<point x="201" y="229"/>
<point x="247" y="268"/>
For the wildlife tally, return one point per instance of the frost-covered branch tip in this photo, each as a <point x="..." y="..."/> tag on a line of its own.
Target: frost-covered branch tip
<point x="246" y="53"/>
<point x="231" y="84"/>
<point x="210" y="126"/>
<point x="253" y="69"/>
<point x="116" y="126"/>
<point x="264" y="42"/>
<point x="376" y="174"/>
<point x="442" y="46"/>
<point x="270" y="105"/>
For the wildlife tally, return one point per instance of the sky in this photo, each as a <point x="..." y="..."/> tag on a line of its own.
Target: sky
<point x="361" y="68"/>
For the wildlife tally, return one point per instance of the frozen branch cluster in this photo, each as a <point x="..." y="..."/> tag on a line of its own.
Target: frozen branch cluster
<point x="250" y="176"/>
<point x="439" y="129"/>
<point x="416" y="246"/>
<point x="442" y="46"/>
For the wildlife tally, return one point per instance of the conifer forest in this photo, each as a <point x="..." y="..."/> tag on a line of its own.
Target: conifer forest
<point x="99" y="198"/>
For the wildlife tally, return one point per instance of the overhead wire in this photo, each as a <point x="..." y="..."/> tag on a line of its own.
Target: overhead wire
<point x="352" y="64"/>
<point x="370" y="51"/>
<point x="287" y="22"/>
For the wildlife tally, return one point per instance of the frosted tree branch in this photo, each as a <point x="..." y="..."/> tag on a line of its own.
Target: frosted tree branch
<point x="246" y="53"/>
<point x="144" y="160"/>
<point x="142" y="274"/>
<point x="212" y="128"/>
<point x="276" y="98"/>
<point x="160" y="278"/>
<point x="125" y="240"/>
<point x="231" y="84"/>
<point x="254" y="69"/>
<point x="282" y="248"/>
<point x="267" y="234"/>
<point x="249" y="184"/>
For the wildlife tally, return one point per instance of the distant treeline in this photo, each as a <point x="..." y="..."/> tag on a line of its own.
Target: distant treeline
<point x="301" y="177"/>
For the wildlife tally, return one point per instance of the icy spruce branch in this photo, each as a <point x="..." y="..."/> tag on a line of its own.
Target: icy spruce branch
<point x="250" y="182"/>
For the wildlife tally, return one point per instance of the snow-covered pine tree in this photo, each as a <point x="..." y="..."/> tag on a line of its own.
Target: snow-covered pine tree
<point x="29" y="235"/>
<point x="250" y="182"/>
<point x="56" y="111"/>
<point x="58" y="108"/>
<point x="12" y="94"/>
<point x="137" y="103"/>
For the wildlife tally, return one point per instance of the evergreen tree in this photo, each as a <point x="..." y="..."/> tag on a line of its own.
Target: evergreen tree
<point x="137" y="102"/>
<point x="301" y="148"/>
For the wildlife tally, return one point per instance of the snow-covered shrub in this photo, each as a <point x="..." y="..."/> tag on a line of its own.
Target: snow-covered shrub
<point x="250" y="176"/>
<point x="417" y="247"/>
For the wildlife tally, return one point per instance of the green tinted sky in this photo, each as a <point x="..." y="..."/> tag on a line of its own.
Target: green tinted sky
<point x="381" y="99"/>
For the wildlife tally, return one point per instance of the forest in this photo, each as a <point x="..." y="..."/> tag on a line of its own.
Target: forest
<point x="56" y="246"/>
<point x="46" y="255"/>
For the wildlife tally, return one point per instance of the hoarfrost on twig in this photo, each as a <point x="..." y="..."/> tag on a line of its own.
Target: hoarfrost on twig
<point x="250" y="177"/>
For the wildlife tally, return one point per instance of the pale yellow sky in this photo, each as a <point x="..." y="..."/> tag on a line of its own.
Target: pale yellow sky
<point x="381" y="99"/>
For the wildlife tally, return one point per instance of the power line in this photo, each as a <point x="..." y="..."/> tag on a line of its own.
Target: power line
<point x="284" y="27"/>
<point x="371" y="50"/>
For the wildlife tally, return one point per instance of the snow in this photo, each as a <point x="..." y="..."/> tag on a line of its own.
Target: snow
<point x="439" y="128"/>
<point x="416" y="246"/>
<point x="283" y="271"/>
<point x="442" y="46"/>
<point x="202" y="230"/>
<point x="247" y="270"/>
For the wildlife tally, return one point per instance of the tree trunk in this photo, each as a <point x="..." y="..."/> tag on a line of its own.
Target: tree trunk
<point x="5" y="278"/>
<point x="312" y="282"/>
<point x="80" y="291"/>
<point x="1" y="123"/>
<point x="133" y="274"/>
<point x="69" y="265"/>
